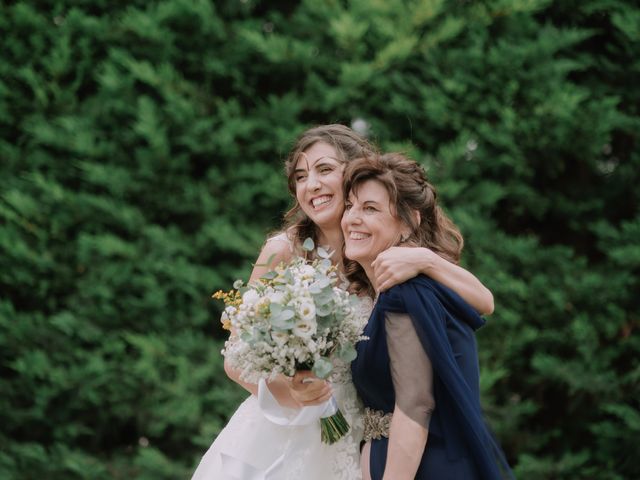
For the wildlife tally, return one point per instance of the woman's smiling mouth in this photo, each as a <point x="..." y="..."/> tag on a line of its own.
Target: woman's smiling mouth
<point x="318" y="202"/>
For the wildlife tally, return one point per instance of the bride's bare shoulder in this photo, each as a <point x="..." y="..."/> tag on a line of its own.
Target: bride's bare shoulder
<point x="276" y="249"/>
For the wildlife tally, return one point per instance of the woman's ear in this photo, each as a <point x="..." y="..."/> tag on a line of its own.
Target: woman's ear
<point x="405" y="233"/>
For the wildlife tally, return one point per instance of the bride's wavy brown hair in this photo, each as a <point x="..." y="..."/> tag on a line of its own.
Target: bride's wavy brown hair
<point x="409" y="192"/>
<point x="348" y="145"/>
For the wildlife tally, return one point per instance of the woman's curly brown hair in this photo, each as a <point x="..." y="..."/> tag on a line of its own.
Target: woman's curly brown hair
<point x="409" y="192"/>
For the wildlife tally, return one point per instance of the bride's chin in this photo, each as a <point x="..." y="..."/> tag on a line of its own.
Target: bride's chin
<point x="352" y="255"/>
<point x="326" y="219"/>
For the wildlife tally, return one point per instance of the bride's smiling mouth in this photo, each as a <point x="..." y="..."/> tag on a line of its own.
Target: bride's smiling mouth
<point x="321" y="201"/>
<point x="359" y="236"/>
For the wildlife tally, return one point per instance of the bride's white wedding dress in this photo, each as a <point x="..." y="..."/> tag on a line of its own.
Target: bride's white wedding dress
<point x="252" y="447"/>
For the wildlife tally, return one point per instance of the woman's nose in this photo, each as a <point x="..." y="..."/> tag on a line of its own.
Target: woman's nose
<point x="352" y="215"/>
<point x="313" y="182"/>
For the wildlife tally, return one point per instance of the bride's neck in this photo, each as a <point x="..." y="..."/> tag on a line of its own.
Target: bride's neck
<point x="334" y="241"/>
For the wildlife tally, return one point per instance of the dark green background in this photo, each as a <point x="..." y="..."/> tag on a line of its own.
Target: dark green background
<point x="141" y="153"/>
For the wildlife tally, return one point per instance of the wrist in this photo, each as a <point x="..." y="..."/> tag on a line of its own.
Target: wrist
<point x="428" y="261"/>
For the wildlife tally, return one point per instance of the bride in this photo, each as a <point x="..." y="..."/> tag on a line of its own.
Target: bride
<point x="275" y="433"/>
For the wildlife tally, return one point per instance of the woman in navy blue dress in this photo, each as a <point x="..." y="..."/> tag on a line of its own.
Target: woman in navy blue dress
<point x="418" y="373"/>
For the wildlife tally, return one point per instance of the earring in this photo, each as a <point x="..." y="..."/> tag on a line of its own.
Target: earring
<point x="404" y="237"/>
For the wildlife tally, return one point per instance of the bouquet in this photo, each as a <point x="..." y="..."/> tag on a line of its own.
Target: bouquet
<point x="296" y="317"/>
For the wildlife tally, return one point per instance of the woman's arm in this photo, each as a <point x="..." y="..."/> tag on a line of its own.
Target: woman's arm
<point x="276" y="249"/>
<point x="407" y="441"/>
<point x="412" y="376"/>
<point x="398" y="264"/>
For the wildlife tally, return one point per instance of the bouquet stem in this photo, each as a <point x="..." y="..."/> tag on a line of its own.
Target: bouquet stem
<point x="333" y="428"/>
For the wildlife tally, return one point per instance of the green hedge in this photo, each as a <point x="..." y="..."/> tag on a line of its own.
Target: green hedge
<point x="141" y="153"/>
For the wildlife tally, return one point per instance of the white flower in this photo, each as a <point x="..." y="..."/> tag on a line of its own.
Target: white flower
<point x="276" y="297"/>
<point x="304" y="328"/>
<point x="250" y="297"/>
<point x="307" y="271"/>
<point x="280" y="338"/>
<point x="307" y="311"/>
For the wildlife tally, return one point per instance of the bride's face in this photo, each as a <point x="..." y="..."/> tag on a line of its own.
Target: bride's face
<point x="369" y="224"/>
<point x="318" y="181"/>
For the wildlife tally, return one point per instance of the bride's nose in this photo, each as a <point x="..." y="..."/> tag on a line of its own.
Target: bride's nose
<point x="314" y="182"/>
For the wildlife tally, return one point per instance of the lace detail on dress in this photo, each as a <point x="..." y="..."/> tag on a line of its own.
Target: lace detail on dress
<point x="346" y="462"/>
<point x="342" y="371"/>
<point x="365" y="305"/>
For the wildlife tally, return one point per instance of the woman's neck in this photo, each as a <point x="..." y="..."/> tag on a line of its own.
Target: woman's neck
<point x="332" y="240"/>
<point x="368" y="270"/>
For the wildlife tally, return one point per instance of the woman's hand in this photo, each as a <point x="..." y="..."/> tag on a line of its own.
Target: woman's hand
<point x="308" y="390"/>
<point x="398" y="264"/>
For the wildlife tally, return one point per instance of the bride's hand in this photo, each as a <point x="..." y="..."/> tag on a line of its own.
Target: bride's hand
<point x="398" y="264"/>
<point x="308" y="390"/>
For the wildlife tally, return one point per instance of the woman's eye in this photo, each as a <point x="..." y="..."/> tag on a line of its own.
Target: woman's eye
<point x="347" y="206"/>
<point x="326" y="170"/>
<point x="370" y="209"/>
<point x="299" y="178"/>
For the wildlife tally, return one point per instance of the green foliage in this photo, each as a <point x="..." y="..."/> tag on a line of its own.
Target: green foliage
<point x="141" y="148"/>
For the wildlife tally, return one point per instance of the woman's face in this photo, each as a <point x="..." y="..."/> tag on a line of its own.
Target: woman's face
<point x="368" y="224"/>
<point x="318" y="181"/>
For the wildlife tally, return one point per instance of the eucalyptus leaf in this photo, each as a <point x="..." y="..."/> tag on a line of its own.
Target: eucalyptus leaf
<point x="322" y="368"/>
<point x="268" y="262"/>
<point x="322" y="310"/>
<point x="280" y="323"/>
<point x="323" y="282"/>
<point x="270" y="275"/>
<point x="324" y="322"/>
<point x="308" y="245"/>
<point x="275" y="308"/>
<point x="347" y="353"/>
<point x="287" y="277"/>
<point x="324" y="297"/>
<point x="283" y="320"/>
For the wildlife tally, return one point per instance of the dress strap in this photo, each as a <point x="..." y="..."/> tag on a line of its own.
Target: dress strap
<point x="282" y="237"/>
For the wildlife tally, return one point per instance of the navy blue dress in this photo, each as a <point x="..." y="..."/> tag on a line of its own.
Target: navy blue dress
<point x="460" y="445"/>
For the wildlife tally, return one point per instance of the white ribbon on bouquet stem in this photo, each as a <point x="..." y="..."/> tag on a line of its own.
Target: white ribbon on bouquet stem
<point x="280" y="415"/>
